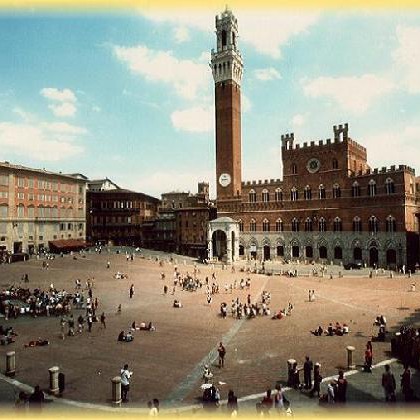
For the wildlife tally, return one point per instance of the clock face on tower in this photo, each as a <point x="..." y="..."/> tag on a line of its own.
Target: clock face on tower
<point x="224" y="180"/>
<point x="313" y="165"/>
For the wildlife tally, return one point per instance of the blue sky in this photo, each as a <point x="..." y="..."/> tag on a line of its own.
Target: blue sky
<point x="129" y="95"/>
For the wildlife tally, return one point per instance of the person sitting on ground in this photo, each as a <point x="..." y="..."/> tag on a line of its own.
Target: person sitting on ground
<point x="134" y="326"/>
<point x="121" y="336"/>
<point x="151" y="327"/>
<point x="338" y="329"/>
<point x="318" y="332"/>
<point x="177" y="304"/>
<point x="345" y="329"/>
<point x="330" y="329"/>
<point x="36" y="343"/>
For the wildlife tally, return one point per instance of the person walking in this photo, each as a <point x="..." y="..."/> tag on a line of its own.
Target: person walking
<point x="131" y="291"/>
<point x="388" y="384"/>
<point x="108" y="264"/>
<point x="90" y="322"/>
<point x="307" y="372"/>
<point x="232" y="404"/>
<point x="341" y="388"/>
<point x="406" y="384"/>
<point x="103" y="319"/>
<point x="125" y="382"/>
<point x="222" y="353"/>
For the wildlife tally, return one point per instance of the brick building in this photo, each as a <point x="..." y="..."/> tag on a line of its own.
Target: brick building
<point x="181" y="224"/>
<point x="38" y="207"/>
<point x="328" y="206"/>
<point x="118" y="216"/>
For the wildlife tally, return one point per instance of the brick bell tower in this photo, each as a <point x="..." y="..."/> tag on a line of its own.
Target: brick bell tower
<point x="227" y="67"/>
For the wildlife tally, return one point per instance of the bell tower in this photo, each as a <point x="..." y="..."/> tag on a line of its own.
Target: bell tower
<point x="227" y="67"/>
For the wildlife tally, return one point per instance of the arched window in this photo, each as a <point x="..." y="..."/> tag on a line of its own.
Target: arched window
<point x="355" y="189"/>
<point x="252" y="196"/>
<point x="391" y="224"/>
<point x="308" y="225"/>
<point x="295" y="225"/>
<point x="336" y="191"/>
<point x="293" y="194"/>
<point x="335" y="164"/>
<point x="265" y="196"/>
<point x="252" y="225"/>
<point x="241" y="225"/>
<point x="338" y="225"/>
<point x="307" y="193"/>
<point x="294" y="169"/>
<point x="357" y="224"/>
<point x="373" y="224"/>
<point x="389" y="186"/>
<point x="279" y="225"/>
<point x="278" y="195"/>
<point x="372" y="188"/>
<point x="321" y="191"/>
<point x="266" y="225"/>
<point x="322" y="225"/>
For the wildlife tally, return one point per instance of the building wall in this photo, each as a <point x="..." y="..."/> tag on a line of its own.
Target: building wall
<point x="38" y="206"/>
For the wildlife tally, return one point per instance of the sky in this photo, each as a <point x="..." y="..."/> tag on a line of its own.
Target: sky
<point x="129" y="94"/>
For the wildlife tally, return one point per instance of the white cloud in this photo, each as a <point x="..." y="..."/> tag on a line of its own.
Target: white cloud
<point x="181" y="34"/>
<point x="54" y="94"/>
<point x="197" y="119"/>
<point x="187" y="77"/>
<point x="407" y="57"/>
<point x="354" y="94"/>
<point x="37" y="142"/>
<point x="64" y="128"/>
<point x="393" y="147"/>
<point x="64" y="101"/>
<point x="269" y="73"/>
<point x="266" y="32"/>
<point x="298" y="120"/>
<point x="65" y="109"/>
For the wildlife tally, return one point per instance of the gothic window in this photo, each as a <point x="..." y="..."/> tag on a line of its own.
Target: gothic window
<point x="391" y="224"/>
<point x="336" y="191"/>
<point x="373" y="224"/>
<point x="279" y="225"/>
<point x="357" y="224"/>
<point x="293" y="194"/>
<point x="335" y="164"/>
<point x="355" y="189"/>
<point x="252" y="225"/>
<point x="294" y="169"/>
<point x="389" y="186"/>
<point x="265" y="196"/>
<point x="322" y="225"/>
<point x="308" y="225"/>
<point x="252" y="196"/>
<point x="241" y="225"/>
<point x="266" y="225"/>
<point x="338" y="225"/>
<point x="372" y="188"/>
<point x="278" y="194"/>
<point x="295" y="225"/>
<point x="322" y="191"/>
<point x="307" y="193"/>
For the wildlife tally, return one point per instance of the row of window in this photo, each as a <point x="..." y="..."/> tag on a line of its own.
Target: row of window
<point x="47" y="198"/>
<point x="322" y="226"/>
<point x="40" y="211"/>
<point x="41" y="227"/>
<point x="336" y="192"/>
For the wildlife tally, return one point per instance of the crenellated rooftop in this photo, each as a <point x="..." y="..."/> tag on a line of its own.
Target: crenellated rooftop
<point x="265" y="182"/>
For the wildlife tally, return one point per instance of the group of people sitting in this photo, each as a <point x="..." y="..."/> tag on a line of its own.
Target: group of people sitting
<point x="128" y="336"/>
<point x="283" y="312"/>
<point x="120" y="276"/>
<point x="331" y="330"/>
<point x="177" y="304"/>
<point x="37" y="343"/>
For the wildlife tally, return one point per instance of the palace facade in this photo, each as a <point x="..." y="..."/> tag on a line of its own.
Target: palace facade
<point x="329" y="205"/>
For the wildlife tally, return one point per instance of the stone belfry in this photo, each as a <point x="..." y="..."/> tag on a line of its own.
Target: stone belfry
<point x="227" y="68"/>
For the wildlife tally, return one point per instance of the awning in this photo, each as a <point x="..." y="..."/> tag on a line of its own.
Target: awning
<point x="67" y="244"/>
